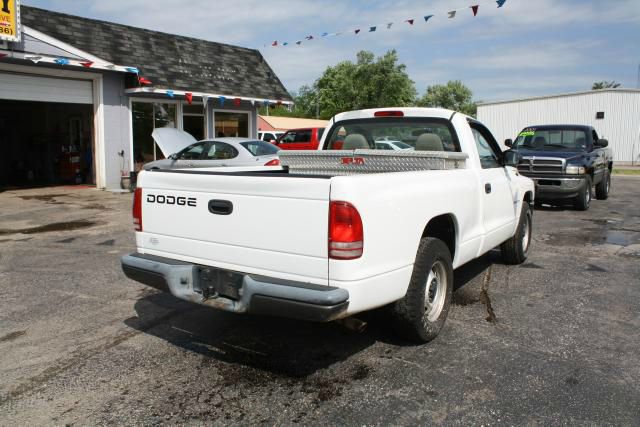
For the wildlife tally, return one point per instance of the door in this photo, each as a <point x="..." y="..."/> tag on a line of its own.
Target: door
<point x="45" y="89"/>
<point x="498" y="214"/>
<point x="297" y="139"/>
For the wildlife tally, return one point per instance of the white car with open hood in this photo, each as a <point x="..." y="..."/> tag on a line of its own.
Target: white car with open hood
<point x="183" y="151"/>
<point x="339" y="230"/>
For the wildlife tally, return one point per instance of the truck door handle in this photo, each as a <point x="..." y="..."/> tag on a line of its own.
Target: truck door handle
<point x="220" y="207"/>
<point x="487" y="188"/>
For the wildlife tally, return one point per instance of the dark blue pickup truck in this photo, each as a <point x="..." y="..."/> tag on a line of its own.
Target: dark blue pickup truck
<point x="565" y="162"/>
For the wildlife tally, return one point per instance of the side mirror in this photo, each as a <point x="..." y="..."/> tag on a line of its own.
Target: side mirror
<point x="173" y="156"/>
<point x="511" y="158"/>
<point x="508" y="142"/>
<point x="602" y="143"/>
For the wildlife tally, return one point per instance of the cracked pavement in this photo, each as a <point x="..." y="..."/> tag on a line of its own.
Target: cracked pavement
<point x="553" y="341"/>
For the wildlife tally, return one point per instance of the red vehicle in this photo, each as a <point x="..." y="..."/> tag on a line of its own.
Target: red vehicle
<point x="300" y="139"/>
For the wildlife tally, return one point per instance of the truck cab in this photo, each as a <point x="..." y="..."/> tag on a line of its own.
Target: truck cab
<point x="300" y="139"/>
<point x="565" y="162"/>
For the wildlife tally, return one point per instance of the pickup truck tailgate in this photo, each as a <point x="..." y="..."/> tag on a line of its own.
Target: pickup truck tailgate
<point x="264" y="224"/>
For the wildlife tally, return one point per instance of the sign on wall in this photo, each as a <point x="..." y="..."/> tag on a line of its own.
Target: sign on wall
<point x="10" y="20"/>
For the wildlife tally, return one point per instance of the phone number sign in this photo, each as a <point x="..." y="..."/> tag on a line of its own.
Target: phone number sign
<point x="10" y="20"/>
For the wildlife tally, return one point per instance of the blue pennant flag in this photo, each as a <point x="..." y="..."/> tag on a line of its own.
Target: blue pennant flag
<point x="285" y="43"/>
<point x="426" y="18"/>
<point x="372" y="29"/>
<point x="61" y="61"/>
<point x="324" y="34"/>
<point x="221" y="100"/>
<point x="501" y="2"/>
<point x="170" y="93"/>
<point x="133" y="70"/>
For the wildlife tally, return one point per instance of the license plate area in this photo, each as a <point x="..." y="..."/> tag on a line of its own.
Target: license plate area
<point x="214" y="282"/>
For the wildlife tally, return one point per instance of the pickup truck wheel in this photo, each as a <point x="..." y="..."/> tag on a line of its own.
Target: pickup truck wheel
<point x="602" y="189"/>
<point x="516" y="249"/>
<point x="421" y="314"/>
<point x="581" y="203"/>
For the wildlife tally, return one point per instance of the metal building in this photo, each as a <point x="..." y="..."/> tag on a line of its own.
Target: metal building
<point x="614" y="113"/>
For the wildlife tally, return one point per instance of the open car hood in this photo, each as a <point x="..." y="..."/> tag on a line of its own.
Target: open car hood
<point x="171" y="140"/>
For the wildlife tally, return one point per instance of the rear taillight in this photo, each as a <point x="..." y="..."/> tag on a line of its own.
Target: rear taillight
<point x="346" y="239"/>
<point x="388" y="114"/>
<point x="274" y="162"/>
<point x="137" y="209"/>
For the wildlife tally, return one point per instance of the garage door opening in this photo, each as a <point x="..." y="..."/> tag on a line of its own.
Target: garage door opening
<point x="45" y="143"/>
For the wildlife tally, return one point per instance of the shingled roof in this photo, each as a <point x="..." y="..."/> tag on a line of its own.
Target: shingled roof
<point x="169" y="61"/>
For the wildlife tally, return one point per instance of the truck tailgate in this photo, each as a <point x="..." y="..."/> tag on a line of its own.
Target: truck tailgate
<point x="277" y="225"/>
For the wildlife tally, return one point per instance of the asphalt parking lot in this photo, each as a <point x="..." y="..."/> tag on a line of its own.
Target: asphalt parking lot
<point x="553" y="341"/>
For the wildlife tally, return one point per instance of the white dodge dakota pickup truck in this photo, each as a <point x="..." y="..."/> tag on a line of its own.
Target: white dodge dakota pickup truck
<point x="340" y="230"/>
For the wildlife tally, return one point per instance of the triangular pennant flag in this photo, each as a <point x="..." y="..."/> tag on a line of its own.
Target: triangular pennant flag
<point x="61" y="61"/>
<point x="357" y="31"/>
<point x="275" y="43"/>
<point x="132" y="70"/>
<point x="324" y="34"/>
<point x="285" y="43"/>
<point x="34" y="59"/>
<point x="221" y="100"/>
<point x="110" y="67"/>
<point x="189" y="97"/>
<point x="501" y="2"/>
<point x="409" y="21"/>
<point x="170" y="93"/>
<point x="389" y="25"/>
<point x="372" y="29"/>
<point x="253" y="102"/>
<point x="144" y="81"/>
<point x="452" y="14"/>
<point x="299" y="42"/>
<point x="205" y="100"/>
<point x="237" y="101"/>
<point x="86" y="64"/>
<point x="309" y="37"/>
<point x="426" y="18"/>
<point x="475" y="9"/>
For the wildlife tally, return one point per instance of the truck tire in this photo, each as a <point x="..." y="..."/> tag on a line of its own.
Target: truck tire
<point x="582" y="201"/>
<point x="602" y="189"/>
<point x="421" y="314"/>
<point x="516" y="249"/>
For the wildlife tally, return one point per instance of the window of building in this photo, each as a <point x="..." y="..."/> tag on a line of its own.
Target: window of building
<point x="231" y="124"/>
<point x="193" y="120"/>
<point x="147" y="116"/>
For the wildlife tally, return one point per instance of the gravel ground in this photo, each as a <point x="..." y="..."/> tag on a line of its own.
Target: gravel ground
<point x="553" y="341"/>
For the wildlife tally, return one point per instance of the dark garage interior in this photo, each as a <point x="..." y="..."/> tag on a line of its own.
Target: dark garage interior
<point x="45" y="143"/>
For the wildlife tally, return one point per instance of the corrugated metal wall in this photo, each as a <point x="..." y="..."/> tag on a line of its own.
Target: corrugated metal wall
<point x="621" y="123"/>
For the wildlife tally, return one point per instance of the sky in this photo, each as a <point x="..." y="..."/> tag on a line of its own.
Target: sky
<point x="526" y="48"/>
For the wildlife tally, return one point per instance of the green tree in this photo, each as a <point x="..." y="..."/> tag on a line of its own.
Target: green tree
<point x="604" y="85"/>
<point x="304" y="105"/>
<point x="453" y="96"/>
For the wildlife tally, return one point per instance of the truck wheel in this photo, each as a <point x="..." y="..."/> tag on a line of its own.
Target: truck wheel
<point x="421" y="314"/>
<point x="583" y="200"/>
<point x="516" y="249"/>
<point x="602" y="189"/>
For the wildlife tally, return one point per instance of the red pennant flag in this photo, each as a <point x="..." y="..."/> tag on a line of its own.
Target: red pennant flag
<point x="144" y="81"/>
<point x="237" y="101"/>
<point x="410" y="21"/>
<point x="275" y="43"/>
<point x="86" y="64"/>
<point x="475" y="9"/>
<point x="2" y="55"/>
<point x="189" y="97"/>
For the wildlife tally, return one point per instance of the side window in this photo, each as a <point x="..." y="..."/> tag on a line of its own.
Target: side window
<point x="268" y="137"/>
<point x="488" y="157"/>
<point x="303" y="136"/>
<point x="595" y="136"/>
<point x="288" y="137"/>
<point x="221" y="151"/>
<point x="192" y="152"/>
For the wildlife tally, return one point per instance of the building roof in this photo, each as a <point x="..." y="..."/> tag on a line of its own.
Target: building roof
<point x="169" y="61"/>
<point x="562" y="95"/>
<point x="286" y="123"/>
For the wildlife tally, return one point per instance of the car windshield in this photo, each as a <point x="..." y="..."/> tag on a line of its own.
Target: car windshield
<point x="422" y="134"/>
<point x="260" y="148"/>
<point x="567" y="139"/>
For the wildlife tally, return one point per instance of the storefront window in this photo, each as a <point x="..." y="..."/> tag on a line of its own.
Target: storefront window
<point x="231" y="124"/>
<point x="147" y="116"/>
<point x="193" y="120"/>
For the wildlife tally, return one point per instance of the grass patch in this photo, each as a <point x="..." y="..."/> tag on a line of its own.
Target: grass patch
<point x="626" y="172"/>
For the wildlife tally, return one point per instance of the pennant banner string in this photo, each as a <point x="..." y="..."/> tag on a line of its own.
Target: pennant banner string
<point x="373" y="28"/>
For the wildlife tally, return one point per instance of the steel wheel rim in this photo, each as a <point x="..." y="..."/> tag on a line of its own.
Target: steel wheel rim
<point x="527" y="234"/>
<point x="608" y="184"/>
<point x="587" y="196"/>
<point x="435" y="291"/>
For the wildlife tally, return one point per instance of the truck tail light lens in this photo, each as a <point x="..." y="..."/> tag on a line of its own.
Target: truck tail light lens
<point x="346" y="238"/>
<point x="274" y="162"/>
<point x="137" y="209"/>
<point x="388" y="114"/>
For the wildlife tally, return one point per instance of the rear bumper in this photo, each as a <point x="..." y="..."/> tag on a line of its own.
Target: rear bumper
<point x="237" y="292"/>
<point x="555" y="188"/>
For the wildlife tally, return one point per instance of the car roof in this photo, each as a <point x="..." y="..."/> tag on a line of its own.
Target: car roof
<point x="231" y="140"/>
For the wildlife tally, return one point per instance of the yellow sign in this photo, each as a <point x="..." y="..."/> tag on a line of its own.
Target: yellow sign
<point x="10" y="20"/>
